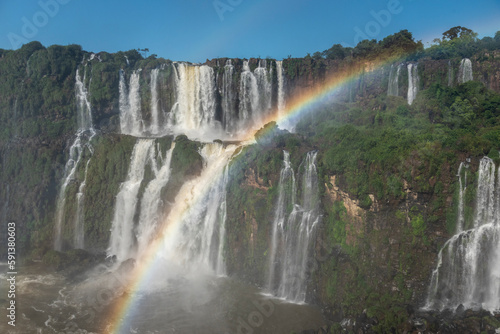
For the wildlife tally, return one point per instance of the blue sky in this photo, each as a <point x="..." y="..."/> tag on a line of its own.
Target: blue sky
<point x="195" y="30"/>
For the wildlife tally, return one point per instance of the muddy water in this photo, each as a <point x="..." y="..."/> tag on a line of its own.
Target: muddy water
<point x="47" y="302"/>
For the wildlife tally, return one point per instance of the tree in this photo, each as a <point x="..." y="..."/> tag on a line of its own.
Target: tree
<point x="144" y="52"/>
<point x="401" y="43"/>
<point x="456" y="32"/>
<point x="337" y="51"/>
<point x="365" y="48"/>
<point x="317" y="55"/>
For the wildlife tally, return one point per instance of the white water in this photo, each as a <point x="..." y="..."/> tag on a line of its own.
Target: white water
<point x="249" y="95"/>
<point x="229" y="112"/>
<point x="200" y="110"/>
<point x="461" y="194"/>
<point x="465" y="71"/>
<point x="281" y="87"/>
<point x="131" y="122"/>
<point x="194" y="110"/>
<point x="412" y="82"/>
<point x="198" y="214"/>
<point x="393" y="87"/>
<point x="193" y="238"/>
<point x="75" y="154"/>
<point x="84" y="110"/>
<point x="264" y="86"/>
<point x="468" y="270"/>
<point x="84" y="135"/>
<point x="286" y="198"/>
<point x="293" y="235"/>
<point x="155" y="119"/>
<point x="122" y="240"/>
<point x="151" y="203"/>
<point x="78" y="226"/>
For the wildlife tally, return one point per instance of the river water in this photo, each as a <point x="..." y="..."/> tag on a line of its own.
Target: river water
<point x="50" y="302"/>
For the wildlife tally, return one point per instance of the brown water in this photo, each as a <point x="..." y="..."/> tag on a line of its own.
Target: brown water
<point x="49" y="303"/>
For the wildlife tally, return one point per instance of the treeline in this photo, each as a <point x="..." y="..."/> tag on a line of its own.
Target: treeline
<point x="455" y="42"/>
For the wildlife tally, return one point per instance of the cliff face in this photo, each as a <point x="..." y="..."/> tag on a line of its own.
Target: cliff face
<point x="382" y="225"/>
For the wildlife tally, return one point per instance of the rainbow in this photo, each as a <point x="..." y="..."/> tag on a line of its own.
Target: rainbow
<point x="125" y="307"/>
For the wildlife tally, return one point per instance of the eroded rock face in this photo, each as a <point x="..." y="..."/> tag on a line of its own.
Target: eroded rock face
<point x="382" y="246"/>
<point x="357" y="215"/>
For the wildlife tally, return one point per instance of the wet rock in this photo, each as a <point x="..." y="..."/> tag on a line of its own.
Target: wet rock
<point x="460" y="310"/>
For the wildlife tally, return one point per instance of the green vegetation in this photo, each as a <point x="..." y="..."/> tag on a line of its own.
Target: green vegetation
<point x="456" y="42"/>
<point x="396" y="163"/>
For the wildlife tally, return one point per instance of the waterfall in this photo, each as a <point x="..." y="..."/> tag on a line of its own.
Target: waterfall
<point x="465" y="71"/>
<point x="75" y="154"/>
<point x="78" y="226"/>
<point x="196" y="222"/>
<point x="84" y="135"/>
<point x="393" y="88"/>
<point x="286" y="199"/>
<point x="281" y="87"/>
<point x="284" y="123"/>
<point x="249" y="96"/>
<point x="294" y="233"/>
<point x="229" y="114"/>
<point x="207" y="106"/>
<point x="150" y="214"/>
<point x="122" y="243"/>
<point x="155" y="121"/>
<point x="412" y="82"/>
<point x="131" y="122"/>
<point x="485" y="195"/>
<point x="195" y="106"/>
<point x="255" y="94"/>
<point x="468" y="272"/>
<point x="461" y="194"/>
<point x="194" y="238"/>
<point x="84" y="110"/>
<point x="264" y="86"/>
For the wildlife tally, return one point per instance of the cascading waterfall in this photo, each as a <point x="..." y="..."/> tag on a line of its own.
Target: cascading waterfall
<point x="201" y="232"/>
<point x="284" y="122"/>
<point x="281" y="87"/>
<point x="195" y="106"/>
<point x="84" y="110"/>
<point x="461" y="195"/>
<point x="150" y="214"/>
<point x="201" y="110"/>
<point x="200" y="209"/>
<point x="465" y="71"/>
<point x="286" y="199"/>
<point x="155" y="117"/>
<point x="468" y="273"/>
<point x="249" y="95"/>
<point x="122" y="241"/>
<point x="194" y="230"/>
<point x="393" y="88"/>
<point x="84" y="135"/>
<point x="294" y="233"/>
<point x="131" y="122"/>
<point x="485" y="195"/>
<point x="255" y="94"/>
<point x="264" y="86"/>
<point x="78" y="226"/>
<point x="229" y="113"/>
<point x="412" y="82"/>
<point x="75" y="154"/>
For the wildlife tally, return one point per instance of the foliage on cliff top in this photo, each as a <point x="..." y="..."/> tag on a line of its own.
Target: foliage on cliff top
<point x="370" y="141"/>
<point x="456" y="42"/>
